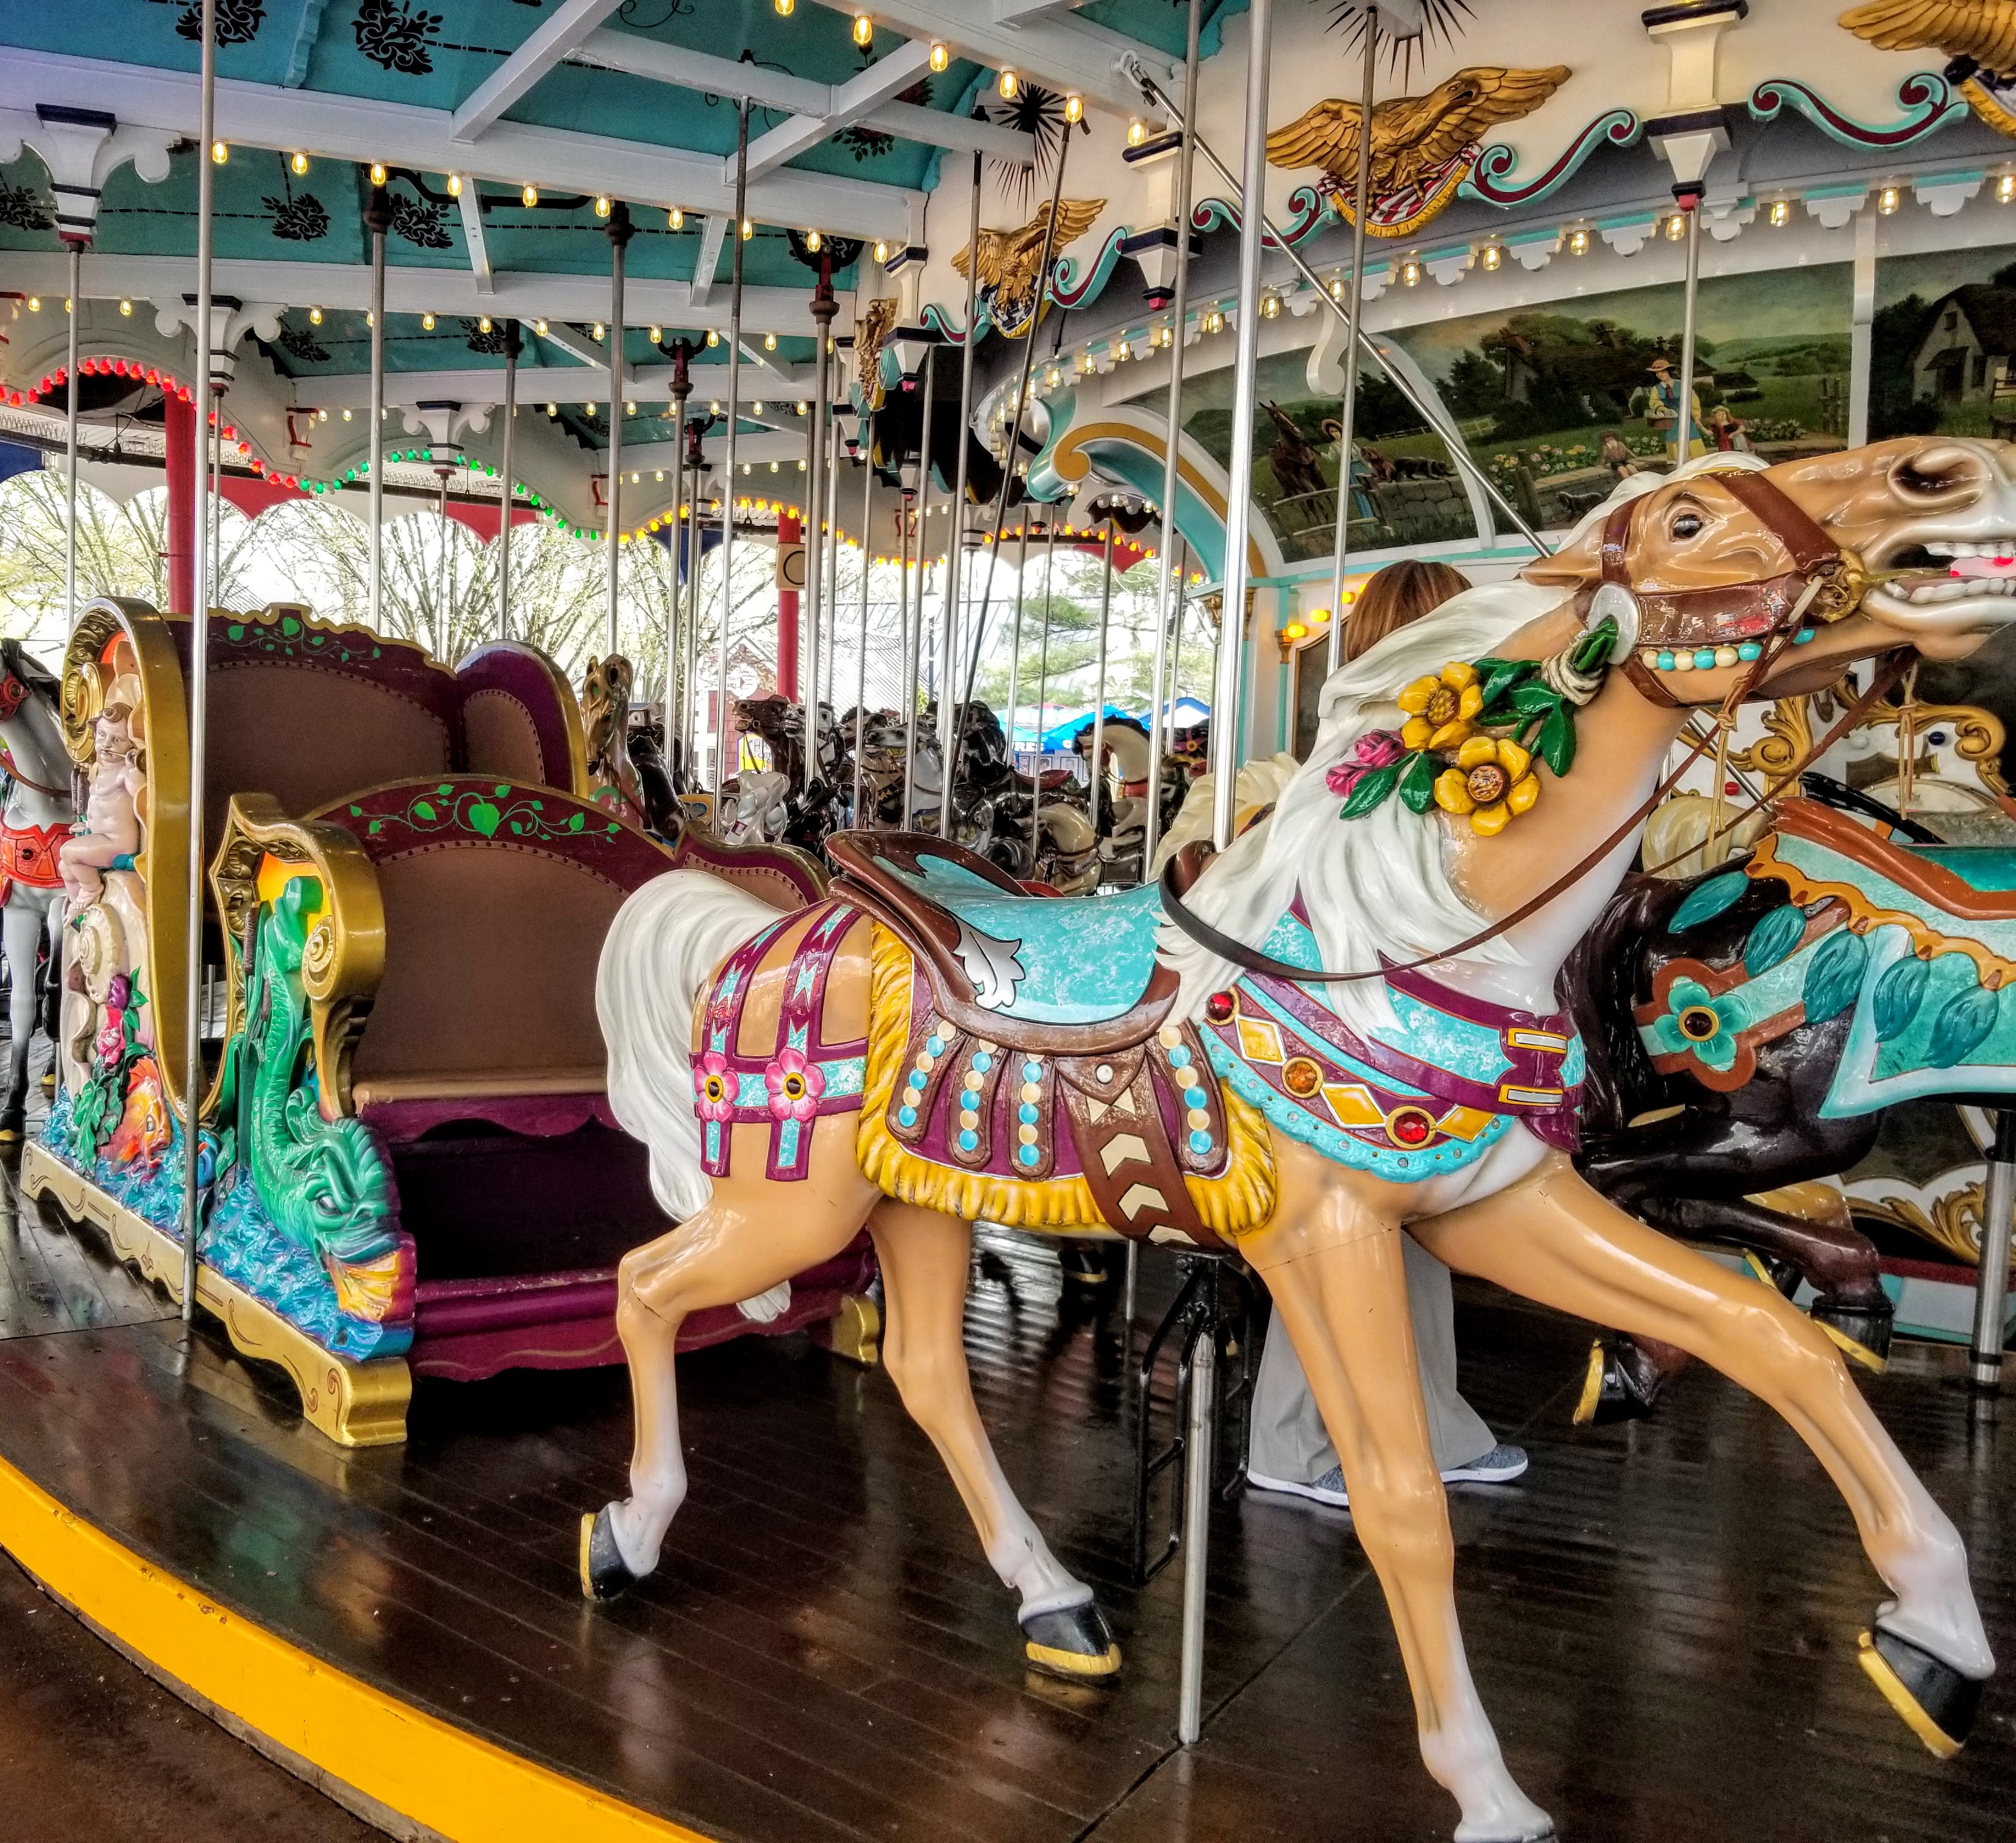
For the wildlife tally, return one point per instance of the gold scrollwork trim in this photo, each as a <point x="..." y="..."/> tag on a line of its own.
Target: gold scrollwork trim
<point x="345" y="956"/>
<point x="1788" y="734"/>
<point x="1953" y="1222"/>
<point x="1978" y="736"/>
<point x="355" y="1404"/>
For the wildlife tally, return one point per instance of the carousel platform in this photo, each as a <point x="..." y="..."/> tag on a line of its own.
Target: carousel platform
<point x="1662" y="1618"/>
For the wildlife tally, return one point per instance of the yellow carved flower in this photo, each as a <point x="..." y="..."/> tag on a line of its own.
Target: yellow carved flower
<point x="1440" y="709"/>
<point x="1491" y="782"/>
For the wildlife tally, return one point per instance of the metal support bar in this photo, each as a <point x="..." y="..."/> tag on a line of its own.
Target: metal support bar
<point x="1197" y="1461"/>
<point x="867" y="464"/>
<point x="951" y="721"/>
<point x="377" y="220"/>
<point x="1042" y="694"/>
<point x="70" y="435"/>
<point x="1099" y="687"/>
<point x="506" y="461"/>
<point x="1348" y="412"/>
<point x="1683" y="429"/>
<point x="817" y="443"/>
<point x="620" y="233"/>
<point x="722" y="767"/>
<point x="1991" y="1286"/>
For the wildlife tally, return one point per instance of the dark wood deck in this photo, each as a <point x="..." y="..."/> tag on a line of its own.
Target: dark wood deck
<point x="1662" y="1619"/>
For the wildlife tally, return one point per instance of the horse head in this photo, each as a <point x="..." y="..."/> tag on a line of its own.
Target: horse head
<point x="1915" y="541"/>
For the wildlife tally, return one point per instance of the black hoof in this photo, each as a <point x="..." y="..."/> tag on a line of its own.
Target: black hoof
<point x="604" y="1574"/>
<point x="1085" y="1264"/>
<point x="1773" y="1269"/>
<point x="1074" y="1642"/>
<point x="1938" y="1703"/>
<point x="1862" y="1331"/>
<point x="1621" y="1385"/>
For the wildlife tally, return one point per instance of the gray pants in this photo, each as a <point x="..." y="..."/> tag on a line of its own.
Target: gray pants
<point x="1289" y="1441"/>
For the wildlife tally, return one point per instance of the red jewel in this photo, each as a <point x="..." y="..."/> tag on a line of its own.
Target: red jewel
<point x="1217" y="1008"/>
<point x="1409" y="1125"/>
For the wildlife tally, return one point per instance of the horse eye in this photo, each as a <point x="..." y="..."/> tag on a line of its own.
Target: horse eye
<point x="1687" y="525"/>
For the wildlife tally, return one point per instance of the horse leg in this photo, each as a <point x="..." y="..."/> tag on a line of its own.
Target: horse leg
<point x="1339" y="1282"/>
<point x="751" y="1234"/>
<point x="21" y="931"/>
<point x="1553" y="1238"/>
<point x="926" y="1256"/>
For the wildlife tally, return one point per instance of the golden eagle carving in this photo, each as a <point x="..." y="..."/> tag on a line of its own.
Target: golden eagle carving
<point x="870" y="330"/>
<point x="1010" y="262"/>
<point x="1978" y="36"/>
<point x="1423" y="147"/>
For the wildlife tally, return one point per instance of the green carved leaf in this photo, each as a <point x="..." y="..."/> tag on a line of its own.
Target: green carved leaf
<point x="446" y="789"/>
<point x="501" y="788"/>
<point x="1371" y="789"/>
<point x="1557" y="744"/>
<point x="575" y="821"/>
<point x="1835" y="975"/>
<point x="1534" y="700"/>
<point x="1499" y="676"/>
<point x="484" y="817"/>
<point x="289" y="626"/>
<point x="1708" y="899"/>
<point x="1964" y="1021"/>
<point x="425" y="809"/>
<point x="1777" y="933"/>
<point x="376" y="827"/>
<point x="234" y="632"/>
<point x="1899" y="994"/>
<point x="356" y="812"/>
<point x="1417" y="782"/>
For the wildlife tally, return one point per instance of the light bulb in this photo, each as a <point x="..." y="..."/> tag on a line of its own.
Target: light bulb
<point x="299" y="163"/>
<point x="657" y="333"/>
<point x="1008" y="86"/>
<point x="864" y="30"/>
<point x="321" y="415"/>
<point x="1677" y="227"/>
<point x="552" y="409"/>
<point x="802" y="464"/>
<point x="1053" y="378"/>
<point x="539" y="327"/>
<point x="346" y="416"/>
<point x="426" y="323"/>
<point x="1137" y="131"/>
<point x="634" y="480"/>
<point x="483" y="325"/>
<point x="454" y="186"/>
<point x="803" y="406"/>
<point x="530" y="196"/>
<point x="219" y="152"/>
<point x="1887" y="200"/>
<point x="675" y="219"/>
<point x="659" y="475"/>
<point x="1492" y="256"/>
<point x="748" y="230"/>
<point x="769" y="342"/>
<point x="629" y="409"/>
<point x="1337" y="288"/>
<point x="1780" y="213"/>
<point x="370" y="319"/>
<point x="315" y="316"/>
<point x="598" y="333"/>
<point x="813" y="241"/>
<point x="783" y="7"/>
<point x="881" y="249"/>
<point x="1410" y="273"/>
<point x="758" y="407"/>
<point x="713" y="337"/>
<point x="773" y="467"/>
<point x="713" y="407"/>
<point x="1270" y="302"/>
<point x="602" y="204"/>
<point x="940" y="56"/>
<point x="1074" y="110"/>
<point x="126" y="310"/>
<point x="1578" y="243"/>
<point x="2005" y="189"/>
<point x="588" y="409"/>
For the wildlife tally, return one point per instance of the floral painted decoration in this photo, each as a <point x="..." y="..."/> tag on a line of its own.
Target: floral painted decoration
<point x="1442" y="758"/>
<point x="795" y="1085"/>
<point x="714" y="1087"/>
<point x="1696" y="1023"/>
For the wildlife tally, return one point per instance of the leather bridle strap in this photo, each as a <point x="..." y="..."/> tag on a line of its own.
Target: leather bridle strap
<point x="1200" y="931"/>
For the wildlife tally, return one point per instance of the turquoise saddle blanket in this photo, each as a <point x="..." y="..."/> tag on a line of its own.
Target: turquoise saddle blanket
<point x="1043" y="959"/>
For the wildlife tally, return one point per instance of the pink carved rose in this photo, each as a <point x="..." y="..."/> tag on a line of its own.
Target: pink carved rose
<point x="111" y="1041"/>
<point x="795" y="1086"/>
<point x="714" y="1088"/>
<point x="1376" y="749"/>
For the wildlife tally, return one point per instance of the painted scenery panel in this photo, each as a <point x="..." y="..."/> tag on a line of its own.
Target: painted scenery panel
<point x="1943" y="344"/>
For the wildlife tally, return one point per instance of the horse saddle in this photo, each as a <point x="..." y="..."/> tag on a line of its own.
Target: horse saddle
<point x="1064" y="996"/>
<point x="1075" y="975"/>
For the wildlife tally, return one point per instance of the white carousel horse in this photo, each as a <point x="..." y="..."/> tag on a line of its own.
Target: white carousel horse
<point x="931" y="1046"/>
<point x="39" y="812"/>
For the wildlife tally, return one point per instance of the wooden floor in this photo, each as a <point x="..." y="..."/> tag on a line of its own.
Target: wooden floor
<point x="1662" y="1619"/>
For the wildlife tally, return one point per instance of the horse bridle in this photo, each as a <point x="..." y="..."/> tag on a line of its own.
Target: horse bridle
<point x="15" y="691"/>
<point x="1825" y="584"/>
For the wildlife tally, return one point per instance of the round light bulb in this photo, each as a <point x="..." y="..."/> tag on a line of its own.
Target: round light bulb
<point x="315" y="316"/>
<point x="1137" y="131"/>
<point x="769" y="342"/>
<point x="940" y="56"/>
<point x="1008" y="86"/>
<point x="657" y="333"/>
<point x="530" y="196"/>
<point x="881" y="250"/>
<point x="713" y="338"/>
<point x="126" y="310"/>
<point x="864" y="30"/>
<point x="675" y="219"/>
<point x="598" y="331"/>
<point x="539" y="327"/>
<point x="454" y="186"/>
<point x="1074" y="110"/>
<point x="812" y="241"/>
<point x="602" y="205"/>
<point x="483" y="325"/>
<point x="426" y="323"/>
<point x="748" y="230"/>
<point x="219" y="152"/>
<point x="299" y="163"/>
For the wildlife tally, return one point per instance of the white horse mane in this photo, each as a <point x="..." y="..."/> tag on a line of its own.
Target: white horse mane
<point x="1379" y="884"/>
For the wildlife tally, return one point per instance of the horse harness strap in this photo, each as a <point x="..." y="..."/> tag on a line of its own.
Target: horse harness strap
<point x="28" y="856"/>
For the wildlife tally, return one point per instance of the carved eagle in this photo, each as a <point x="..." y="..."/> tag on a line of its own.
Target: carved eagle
<point x="1412" y="136"/>
<point x="869" y="331"/>
<point x="1978" y="36"/>
<point x="1010" y="260"/>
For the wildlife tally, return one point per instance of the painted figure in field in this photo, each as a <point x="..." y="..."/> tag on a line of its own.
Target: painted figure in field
<point x="109" y="834"/>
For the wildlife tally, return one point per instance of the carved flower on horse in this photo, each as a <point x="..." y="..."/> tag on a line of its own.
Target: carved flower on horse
<point x="1376" y="749"/>
<point x="714" y="1087"/>
<point x="795" y="1086"/>
<point x="1698" y="1024"/>
<point x="1441" y="709"/>
<point x="1491" y="782"/>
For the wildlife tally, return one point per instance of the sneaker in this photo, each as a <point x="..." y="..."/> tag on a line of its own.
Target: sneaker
<point x="1500" y="1466"/>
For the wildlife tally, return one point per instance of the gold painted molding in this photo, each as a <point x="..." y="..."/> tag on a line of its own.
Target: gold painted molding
<point x="355" y="1404"/>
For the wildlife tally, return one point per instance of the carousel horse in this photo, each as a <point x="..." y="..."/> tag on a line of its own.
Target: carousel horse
<point x="1346" y="1024"/>
<point x="605" y="722"/>
<point x="39" y="812"/>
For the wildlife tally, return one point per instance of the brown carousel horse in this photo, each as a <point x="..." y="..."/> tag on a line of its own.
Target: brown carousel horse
<point x="1346" y="1025"/>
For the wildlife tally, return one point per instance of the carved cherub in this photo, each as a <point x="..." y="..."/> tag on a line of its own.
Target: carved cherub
<point x="110" y="830"/>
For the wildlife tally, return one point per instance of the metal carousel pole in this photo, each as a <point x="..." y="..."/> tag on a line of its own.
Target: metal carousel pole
<point x="70" y="433"/>
<point x="1097" y="778"/>
<point x="951" y="722"/>
<point x="824" y="308"/>
<point x="677" y="686"/>
<point x="914" y="636"/>
<point x="722" y="766"/>
<point x="1347" y="412"/>
<point x="909" y="645"/>
<point x="621" y="231"/>
<point x="1168" y="585"/>
<point x="377" y="220"/>
<point x="1690" y="198"/>
<point x="1015" y="645"/>
<point x="199" y="670"/>
<point x="867" y="463"/>
<point x="1042" y="693"/>
<point x="512" y="342"/>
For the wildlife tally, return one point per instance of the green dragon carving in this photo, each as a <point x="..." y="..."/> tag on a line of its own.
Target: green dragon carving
<point x="327" y="1184"/>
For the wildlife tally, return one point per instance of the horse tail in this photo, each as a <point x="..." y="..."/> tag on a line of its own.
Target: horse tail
<point x="660" y="953"/>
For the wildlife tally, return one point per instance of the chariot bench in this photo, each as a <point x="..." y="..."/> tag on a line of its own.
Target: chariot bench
<point x="409" y="1163"/>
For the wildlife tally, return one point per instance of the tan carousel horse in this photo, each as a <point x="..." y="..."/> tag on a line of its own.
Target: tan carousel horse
<point x="930" y="1046"/>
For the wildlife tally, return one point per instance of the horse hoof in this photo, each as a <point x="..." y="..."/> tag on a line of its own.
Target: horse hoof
<point x="1937" y="1703"/>
<point x="1609" y="1391"/>
<point x="1779" y="1274"/>
<point x="1862" y="1331"/>
<point x="1071" y="1641"/>
<point x="604" y="1574"/>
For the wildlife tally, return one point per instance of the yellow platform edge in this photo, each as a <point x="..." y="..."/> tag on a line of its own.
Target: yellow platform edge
<point x="436" y="1779"/>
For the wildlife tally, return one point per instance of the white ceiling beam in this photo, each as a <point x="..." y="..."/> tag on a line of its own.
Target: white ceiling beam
<point x="542" y="384"/>
<point x="1011" y="12"/>
<point x="527" y="297"/>
<point x="356" y="128"/>
<point x="472" y="236"/>
<point x="883" y="82"/>
<point x="707" y="265"/>
<point x="698" y="71"/>
<point x="551" y="40"/>
<point x="961" y="134"/>
<point x="1069" y="54"/>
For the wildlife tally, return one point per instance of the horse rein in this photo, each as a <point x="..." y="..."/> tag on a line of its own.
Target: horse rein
<point x="1824" y="568"/>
